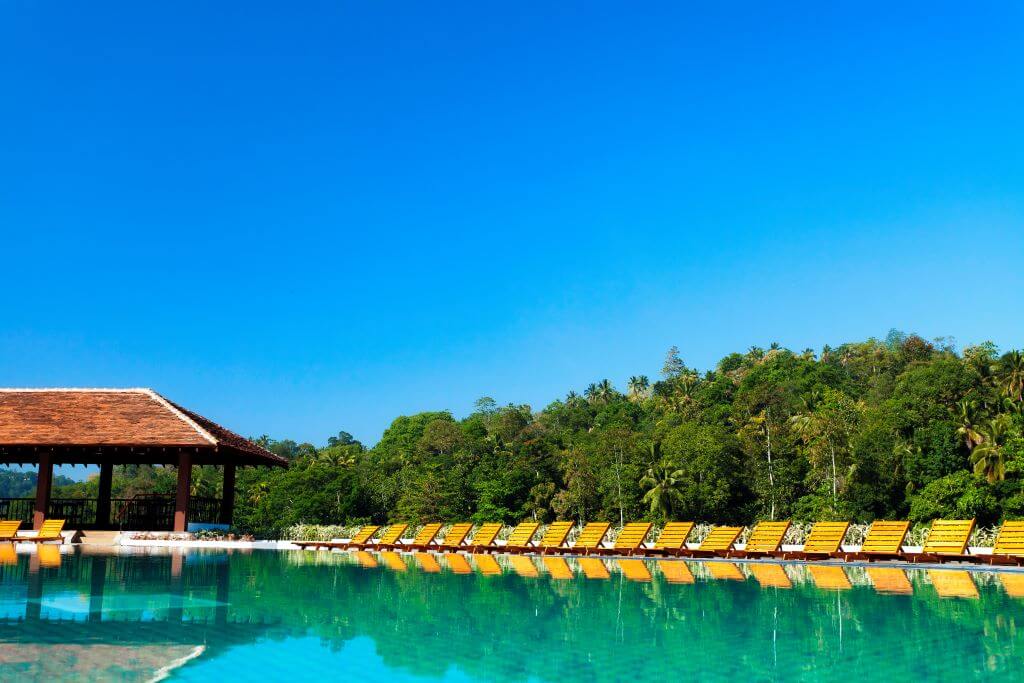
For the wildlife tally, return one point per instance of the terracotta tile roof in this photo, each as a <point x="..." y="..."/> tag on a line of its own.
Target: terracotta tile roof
<point x="139" y="418"/>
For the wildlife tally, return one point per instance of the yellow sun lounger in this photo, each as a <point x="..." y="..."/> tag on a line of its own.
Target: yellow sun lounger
<point x="9" y="529"/>
<point x="947" y="541"/>
<point x="672" y="540"/>
<point x="590" y="538"/>
<point x="484" y="537"/>
<point x="1009" y="547"/>
<point x="765" y="539"/>
<point x="521" y="539"/>
<point x="50" y="531"/>
<point x="884" y="541"/>
<point x="455" y="536"/>
<point x="358" y="540"/>
<point x="717" y="543"/>
<point x="424" y="539"/>
<point x="553" y="539"/>
<point x="630" y="540"/>
<point x="824" y="541"/>
<point x="392" y="538"/>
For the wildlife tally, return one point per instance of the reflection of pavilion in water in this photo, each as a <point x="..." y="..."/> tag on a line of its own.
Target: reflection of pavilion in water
<point x="58" y="632"/>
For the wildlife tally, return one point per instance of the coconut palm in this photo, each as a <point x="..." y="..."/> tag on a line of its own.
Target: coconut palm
<point x="987" y="457"/>
<point x="1011" y="375"/>
<point x="967" y="415"/>
<point x="663" y="483"/>
<point x="605" y="391"/>
<point x="638" y="387"/>
<point x="591" y="392"/>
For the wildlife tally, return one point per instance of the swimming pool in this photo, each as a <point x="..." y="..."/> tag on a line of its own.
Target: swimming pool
<point x="389" y="617"/>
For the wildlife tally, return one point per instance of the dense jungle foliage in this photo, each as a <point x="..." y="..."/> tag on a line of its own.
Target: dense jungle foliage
<point x="900" y="427"/>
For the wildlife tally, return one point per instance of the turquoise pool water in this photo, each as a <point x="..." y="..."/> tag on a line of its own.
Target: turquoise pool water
<point x="370" y="617"/>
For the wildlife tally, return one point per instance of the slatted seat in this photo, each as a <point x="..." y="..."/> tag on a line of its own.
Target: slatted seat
<point x="1009" y="547"/>
<point x="765" y="539"/>
<point x="425" y="536"/>
<point x="884" y="541"/>
<point x="953" y="584"/>
<point x="49" y="531"/>
<point x="9" y="529"/>
<point x="675" y="571"/>
<point x="947" y="540"/>
<point x="456" y="535"/>
<point x="829" y="578"/>
<point x="594" y="568"/>
<point x="590" y="538"/>
<point x="672" y="539"/>
<point x="770" y="575"/>
<point x="392" y="538"/>
<point x="825" y="540"/>
<point x="485" y="535"/>
<point x="630" y="540"/>
<point x="718" y="542"/>
<point x="635" y="570"/>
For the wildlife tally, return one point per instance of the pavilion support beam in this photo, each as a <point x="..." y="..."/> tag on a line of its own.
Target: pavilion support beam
<point x="227" y="501"/>
<point x="184" y="489"/>
<point x="103" y="497"/>
<point x="44" y="482"/>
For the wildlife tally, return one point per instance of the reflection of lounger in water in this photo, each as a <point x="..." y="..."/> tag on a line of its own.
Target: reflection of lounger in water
<point x="725" y="570"/>
<point x="49" y="556"/>
<point x="635" y="570"/>
<point x="558" y="568"/>
<point x="1013" y="584"/>
<point x="594" y="568"/>
<point x="8" y="555"/>
<point x="953" y="584"/>
<point x="890" y="580"/>
<point x="524" y="566"/>
<point x="365" y="559"/>
<point x="427" y="563"/>
<point x="458" y="563"/>
<point x="829" y="578"/>
<point x="487" y="564"/>
<point x="770" y="575"/>
<point x="675" y="571"/>
<point x="393" y="560"/>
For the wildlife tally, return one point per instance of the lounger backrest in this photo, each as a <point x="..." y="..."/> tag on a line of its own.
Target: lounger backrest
<point x="427" y="534"/>
<point x="767" y="536"/>
<point x="456" y="535"/>
<point x="592" y="535"/>
<point x="885" y="537"/>
<point x="9" y="527"/>
<point x="51" y="528"/>
<point x="826" y="537"/>
<point x="486" y="534"/>
<point x="556" y="534"/>
<point x="1010" y="540"/>
<point x="632" y="535"/>
<point x="393" y="534"/>
<point x="674" y="535"/>
<point x="523" y="534"/>
<point x="949" y="536"/>
<point x="364" y="535"/>
<point x="721" y="538"/>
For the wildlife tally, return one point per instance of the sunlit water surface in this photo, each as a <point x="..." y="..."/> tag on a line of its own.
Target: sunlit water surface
<point x="389" y="617"/>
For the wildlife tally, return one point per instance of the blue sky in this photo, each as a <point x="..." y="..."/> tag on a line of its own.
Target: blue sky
<point x="302" y="218"/>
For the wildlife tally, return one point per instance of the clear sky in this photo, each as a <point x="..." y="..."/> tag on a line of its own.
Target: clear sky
<point x="297" y="218"/>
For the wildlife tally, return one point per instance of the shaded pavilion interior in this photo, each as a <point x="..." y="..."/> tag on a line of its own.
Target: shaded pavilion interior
<point x="108" y="427"/>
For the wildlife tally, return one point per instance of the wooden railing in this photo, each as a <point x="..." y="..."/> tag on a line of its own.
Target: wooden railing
<point x="141" y="513"/>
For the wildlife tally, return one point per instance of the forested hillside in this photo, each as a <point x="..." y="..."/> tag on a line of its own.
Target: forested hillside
<point x="884" y="428"/>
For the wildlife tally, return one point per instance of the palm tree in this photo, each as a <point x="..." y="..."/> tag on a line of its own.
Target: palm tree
<point x="573" y="399"/>
<point x="638" y="387"/>
<point x="1011" y="376"/>
<point x="967" y="420"/>
<point x="663" y="482"/>
<point x="987" y="457"/>
<point x="605" y="391"/>
<point x="591" y="392"/>
<point x="336" y="457"/>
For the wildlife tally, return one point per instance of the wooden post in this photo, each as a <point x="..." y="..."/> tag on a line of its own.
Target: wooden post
<point x="103" y="497"/>
<point x="44" y="482"/>
<point x="184" y="490"/>
<point x="227" y="499"/>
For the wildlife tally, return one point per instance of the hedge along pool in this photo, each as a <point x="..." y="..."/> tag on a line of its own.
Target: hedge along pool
<point x="152" y="614"/>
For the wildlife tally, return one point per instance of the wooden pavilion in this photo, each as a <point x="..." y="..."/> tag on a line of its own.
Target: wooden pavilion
<point x="108" y="427"/>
